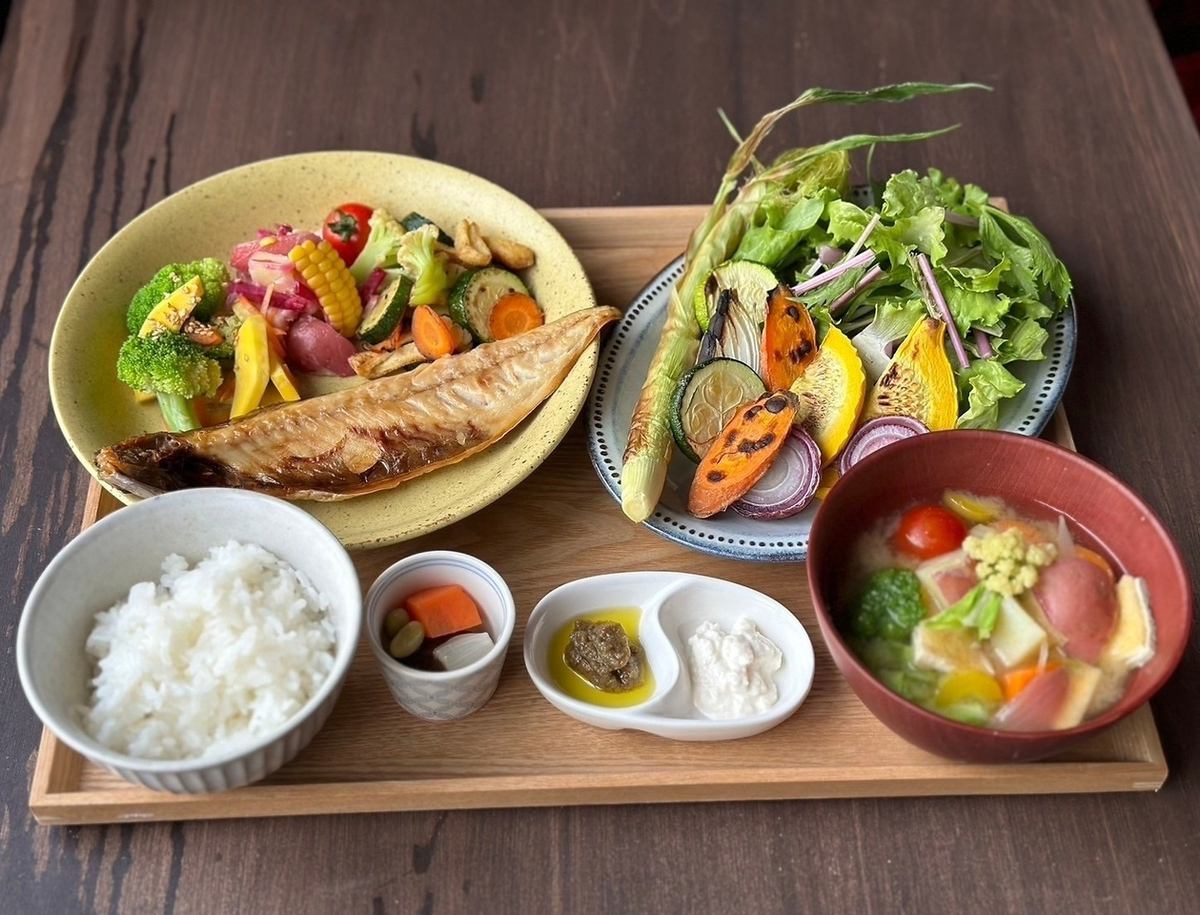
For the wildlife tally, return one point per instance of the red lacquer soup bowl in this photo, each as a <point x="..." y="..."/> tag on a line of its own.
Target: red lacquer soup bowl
<point x="1033" y="476"/>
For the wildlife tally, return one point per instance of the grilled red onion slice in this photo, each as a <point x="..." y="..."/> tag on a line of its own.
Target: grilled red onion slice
<point x="789" y="484"/>
<point x="877" y="434"/>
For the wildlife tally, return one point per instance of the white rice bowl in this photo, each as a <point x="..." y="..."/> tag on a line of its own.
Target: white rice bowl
<point x="209" y="659"/>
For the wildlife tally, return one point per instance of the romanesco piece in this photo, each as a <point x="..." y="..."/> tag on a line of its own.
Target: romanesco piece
<point x="380" y="247"/>
<point x="1006" y="562"/>
<point x="418" y="257"/>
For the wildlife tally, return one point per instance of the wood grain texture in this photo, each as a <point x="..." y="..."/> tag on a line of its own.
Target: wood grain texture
<point x="104" y="108"/>
<point x="371" y="756"/>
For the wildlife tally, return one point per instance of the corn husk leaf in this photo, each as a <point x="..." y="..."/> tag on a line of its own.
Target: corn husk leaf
<point x="714" y="240"/>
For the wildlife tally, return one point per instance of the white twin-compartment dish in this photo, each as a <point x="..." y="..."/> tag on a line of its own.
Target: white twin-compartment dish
<point x="673" y="605"/>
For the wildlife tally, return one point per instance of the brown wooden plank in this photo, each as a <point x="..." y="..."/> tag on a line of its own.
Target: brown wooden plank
<point x="107" y="107"/>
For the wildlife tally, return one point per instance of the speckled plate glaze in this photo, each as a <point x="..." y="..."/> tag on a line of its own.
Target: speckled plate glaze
<point x="623" y="367"/>
<point x="209" y="217"/>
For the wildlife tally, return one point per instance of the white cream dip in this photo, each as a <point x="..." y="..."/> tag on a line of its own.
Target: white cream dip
<point x="732" y="671"/>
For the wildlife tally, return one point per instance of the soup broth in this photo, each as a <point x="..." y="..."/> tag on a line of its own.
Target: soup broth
<point x="994" y="617"/>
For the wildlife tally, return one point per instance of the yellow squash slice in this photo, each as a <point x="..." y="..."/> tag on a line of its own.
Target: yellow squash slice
<point x="169" y="315"/>
<point x="283" y="380"/>
<point x="251" y="365"/>
<point x="919" y="381"/>
<point x="831" y="392"/>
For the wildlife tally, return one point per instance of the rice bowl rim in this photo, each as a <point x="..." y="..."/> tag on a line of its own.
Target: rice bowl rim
<point x="72" y="733"/>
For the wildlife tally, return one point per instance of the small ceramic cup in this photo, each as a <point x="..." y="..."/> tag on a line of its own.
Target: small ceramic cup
<point x="443" y="695"/>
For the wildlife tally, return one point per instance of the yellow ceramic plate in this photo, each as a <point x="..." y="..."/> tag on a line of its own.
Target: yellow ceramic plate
<point x="208" y="218"/>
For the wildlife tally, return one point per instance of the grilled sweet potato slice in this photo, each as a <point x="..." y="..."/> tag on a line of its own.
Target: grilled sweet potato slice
<point x="742" y="453"/>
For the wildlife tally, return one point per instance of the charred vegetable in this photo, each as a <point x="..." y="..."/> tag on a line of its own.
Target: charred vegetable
<point x="736" y="210"/>
<point x="751" y="283"/>
<point x="789" y="484"/>
<point x="742" y="453"/>
<point x="831" y="393"/>
<point x="733" y="331"/>
<point x="919" y="381"/>
<point x="706" y="399"/>
<point x="789" y="341"/>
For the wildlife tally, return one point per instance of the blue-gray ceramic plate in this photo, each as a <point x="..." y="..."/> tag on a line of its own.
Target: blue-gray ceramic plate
<point x="623" y="366"/>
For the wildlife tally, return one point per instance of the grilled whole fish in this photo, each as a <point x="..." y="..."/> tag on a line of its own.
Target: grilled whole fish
<point x="370" y="437"/>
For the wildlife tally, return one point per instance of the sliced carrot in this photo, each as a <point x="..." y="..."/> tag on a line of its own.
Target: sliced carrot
<point x="462" y="338"/>
<point x="1095" y="559"/>
<point x="443" y="610"/>
<point x="1030" y="532"/>
<point x="1016" y="680"/>
<point x="225" y="391"/>
<point x="514" y="314"/>
<point x="789" y="340"/>
<point x="431" y="333"/>
<point x="200" y="405"/>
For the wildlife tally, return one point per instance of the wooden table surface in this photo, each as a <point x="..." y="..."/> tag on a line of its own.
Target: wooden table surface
<point x="105" y="110"/>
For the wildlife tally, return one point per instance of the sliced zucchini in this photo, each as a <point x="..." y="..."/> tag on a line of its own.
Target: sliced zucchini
<point x="385" y="313"/>
<point x="415" y="220"/>
<point x="706" y="398"/>
<point x="752" y="282"/>
<point x="476" y="294"/>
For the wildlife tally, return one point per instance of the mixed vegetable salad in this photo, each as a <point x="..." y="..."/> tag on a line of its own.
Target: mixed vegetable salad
<point x="812" y="326"/>
<point x="369" y="296"/>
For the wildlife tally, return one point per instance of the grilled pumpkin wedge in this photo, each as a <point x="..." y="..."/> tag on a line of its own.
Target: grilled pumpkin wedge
<point x="831" y="393"/>
<point x="919" y="381"/>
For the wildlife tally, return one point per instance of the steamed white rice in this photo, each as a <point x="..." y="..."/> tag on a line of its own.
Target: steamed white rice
<point x="209" y="658"/>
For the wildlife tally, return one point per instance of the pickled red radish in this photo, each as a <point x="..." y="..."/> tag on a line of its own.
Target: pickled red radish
<point x="948" y="578"/>
<point x="1079" y="601"/>
<point x="955" y="585"/>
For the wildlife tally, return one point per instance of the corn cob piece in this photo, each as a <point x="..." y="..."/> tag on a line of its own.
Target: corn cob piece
<point x="326" y="275"/>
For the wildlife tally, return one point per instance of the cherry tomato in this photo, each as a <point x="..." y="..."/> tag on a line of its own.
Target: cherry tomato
<point x="346" y="228"/>
<point x="927" y="531"/>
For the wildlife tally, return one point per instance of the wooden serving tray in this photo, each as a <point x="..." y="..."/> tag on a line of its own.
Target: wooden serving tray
<point x="518" y="750"/>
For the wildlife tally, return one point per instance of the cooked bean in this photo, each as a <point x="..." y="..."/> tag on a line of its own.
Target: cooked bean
<point x="395" y="620"/>
<point x="407" y="640"/>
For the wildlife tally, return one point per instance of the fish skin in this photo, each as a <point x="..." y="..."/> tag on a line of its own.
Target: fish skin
<point x="370" y="437"/>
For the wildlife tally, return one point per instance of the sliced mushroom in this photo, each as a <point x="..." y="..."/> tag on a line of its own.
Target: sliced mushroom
<point x="469" y="246"/>
<point x="376" y="364"/>
<point x="511" y="254"/>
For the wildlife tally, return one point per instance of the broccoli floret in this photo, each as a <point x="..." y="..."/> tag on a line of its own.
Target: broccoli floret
<point x="889" y="606"/>
<point x="892" y="662"/>
<point x="212" y="273"/>
<point x="381" y="245"/>
<point x="167" y="364"/>
<point x="179" y="412"/>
